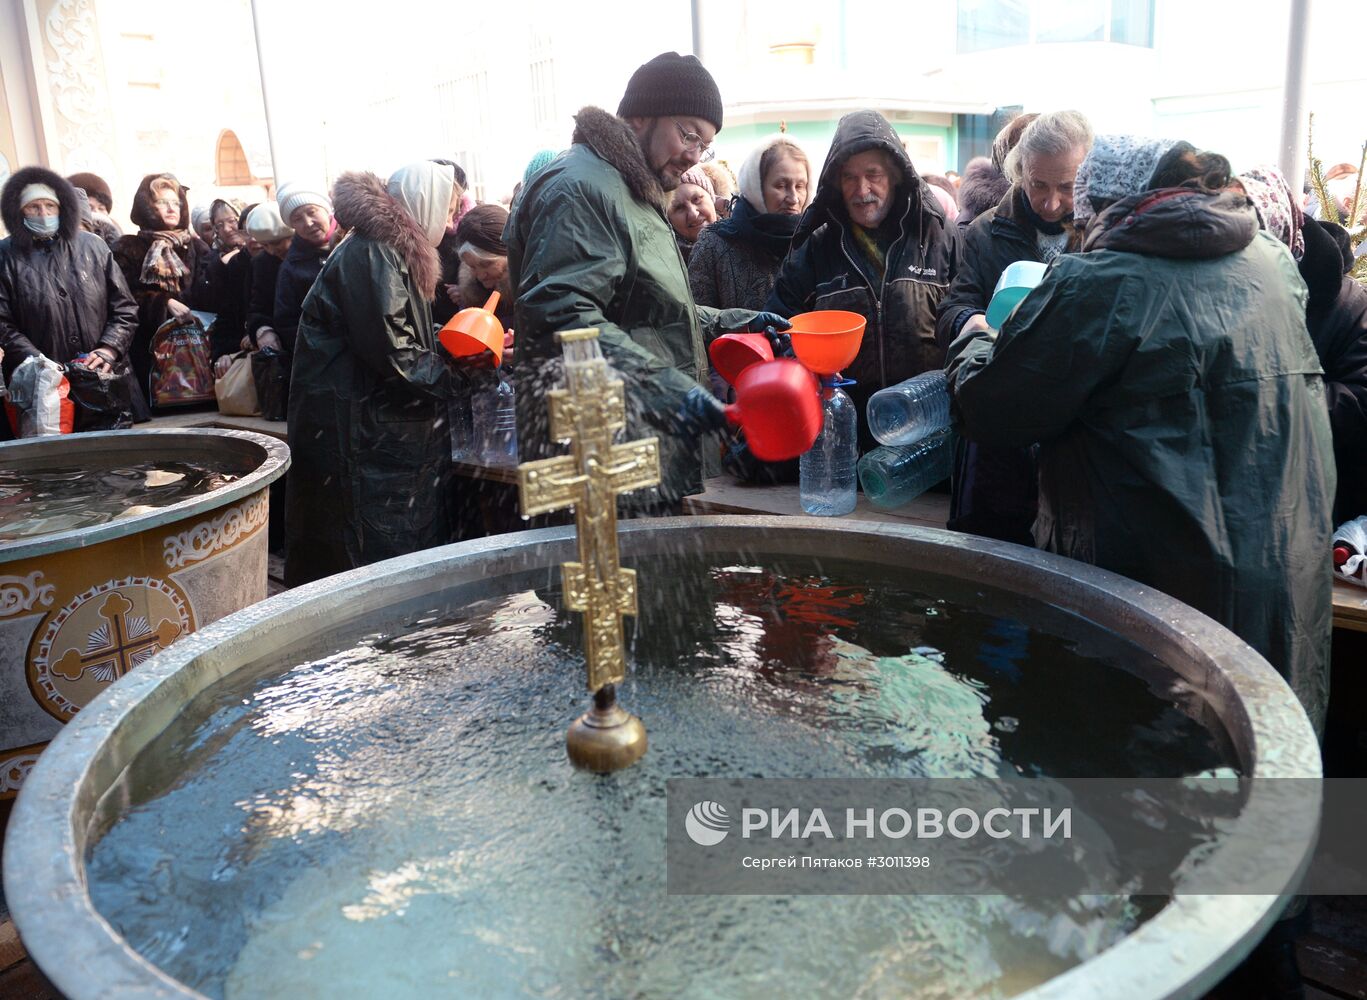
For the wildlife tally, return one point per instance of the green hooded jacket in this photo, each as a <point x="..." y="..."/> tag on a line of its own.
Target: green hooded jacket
<point x="1179" y="407"/>
<point x="589" y="246"/>
<point x="369" y="443"/>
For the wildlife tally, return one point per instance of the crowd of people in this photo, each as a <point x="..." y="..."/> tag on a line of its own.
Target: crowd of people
<point x="1182" y="400"/>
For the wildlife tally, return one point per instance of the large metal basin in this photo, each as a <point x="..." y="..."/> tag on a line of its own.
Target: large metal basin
<point x="78" y="789"/>
<point x="80" y="608"/>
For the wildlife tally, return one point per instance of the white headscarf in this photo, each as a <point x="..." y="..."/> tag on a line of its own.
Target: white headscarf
<point x="424" y="190"/>
<point x="750" y="181"/>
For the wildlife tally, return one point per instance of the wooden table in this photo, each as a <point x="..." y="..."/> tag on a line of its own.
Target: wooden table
<point x="1350" y="606"/>
<point x="722" y="495"/>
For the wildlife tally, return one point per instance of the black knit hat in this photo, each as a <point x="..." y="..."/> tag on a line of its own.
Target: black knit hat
<point x="671" y="84"/>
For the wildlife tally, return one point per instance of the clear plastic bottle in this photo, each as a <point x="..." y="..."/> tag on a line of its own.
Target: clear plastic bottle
<point x="462" y="427"/>
<point x="893" y="476"/>
<point x="826" y="472"/>
<point x="494" y="412"/>
<point x="906" y="412"/>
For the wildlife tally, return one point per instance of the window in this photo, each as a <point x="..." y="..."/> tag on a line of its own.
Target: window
<point x="231" y="162"/>
<point x="1071" y="21"/>
<point x="545" y="112"/>
<point x="994" y="24"/>
<point x="463" y="110"/>
<point x="1132" y="22"/>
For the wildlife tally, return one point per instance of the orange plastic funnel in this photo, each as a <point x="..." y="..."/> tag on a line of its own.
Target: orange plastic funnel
<point x="826" y="341"/>
<point x="732" y="353"/>
<point x="779" y="409"/>
<point x="473" y="331"/>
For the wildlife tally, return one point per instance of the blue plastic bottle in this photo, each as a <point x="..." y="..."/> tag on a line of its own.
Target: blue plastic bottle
<point x="827" y="471"/>
<point x="909" y="411"/>
<point x="893" y="476"/>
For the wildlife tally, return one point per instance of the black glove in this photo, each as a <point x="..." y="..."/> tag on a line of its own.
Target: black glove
<point x="700" y="414"/>
<point x="761" y="322"/>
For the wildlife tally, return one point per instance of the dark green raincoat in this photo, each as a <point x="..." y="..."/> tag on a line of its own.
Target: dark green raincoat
<point x="589" y="246"/>
<point x="370" y="448"/>
<point x="1179" y="406"/>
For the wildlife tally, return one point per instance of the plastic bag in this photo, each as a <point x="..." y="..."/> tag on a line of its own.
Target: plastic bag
<point x="271" y="369"/>
<point x="1350" y="545"/>
<point x="182" y="367"/>
<point x="236" y="390"/>
<point x="103" y="401"/>
<point x="39" y="403"/>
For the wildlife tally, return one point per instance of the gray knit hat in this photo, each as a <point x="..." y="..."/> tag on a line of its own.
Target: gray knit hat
<point x="671" y="84"/>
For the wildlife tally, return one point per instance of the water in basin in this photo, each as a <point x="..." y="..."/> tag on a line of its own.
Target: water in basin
<point x="398" y="818"/>
<point x="89" y="492"/>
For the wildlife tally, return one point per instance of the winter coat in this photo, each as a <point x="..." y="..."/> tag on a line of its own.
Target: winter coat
<point x="993" y="489"/>
<point x="1337" y="320"/>
<point x="369" y="445"/>
<point x="1179" y="410"/>
<point x="195" y="290"/>
<point x="292" y="283"/>
<point x="825" y="269"/>
<point x="729" y="271"/>
<point x="64" y="296"/>
<point x="231" y="279"/>
<point x="589" y="246"/>
<point x="261" y="305"/>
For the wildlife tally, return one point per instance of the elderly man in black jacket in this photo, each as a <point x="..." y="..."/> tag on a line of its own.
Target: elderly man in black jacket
<point x="873" y="241"/>
<point x="994" y="492"/>
<point x="61" y="294"/>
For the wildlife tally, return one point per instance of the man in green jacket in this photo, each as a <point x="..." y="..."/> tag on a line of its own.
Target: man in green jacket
<point x="1179" y="407"/>
<point x="589" y="246"/>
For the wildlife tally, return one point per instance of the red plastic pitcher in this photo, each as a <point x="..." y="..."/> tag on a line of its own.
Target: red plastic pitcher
<point x="732" y="353"/>
<point x="778" y="407"/>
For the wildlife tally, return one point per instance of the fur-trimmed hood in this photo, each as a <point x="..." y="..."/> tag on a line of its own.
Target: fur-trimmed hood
<point x="361" y="204"/>
<point x="12" y="212"/>
<point x="144" y="216"/>
<point x="613" y="141"/>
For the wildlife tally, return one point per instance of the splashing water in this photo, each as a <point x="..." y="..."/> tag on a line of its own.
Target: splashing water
<point x="398" y="818"/>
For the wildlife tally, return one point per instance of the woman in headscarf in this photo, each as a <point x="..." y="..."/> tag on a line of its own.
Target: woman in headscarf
<point x="736" y="260"/>
<point x="61" y="295"/>
<point x="370" y="450"/>
<point x="484" y="260"/>
<point x="165" y="264"/>
<point x="1167" y="376"/>
<point x="1336" y="318"/>
<point x="692" y="207"/>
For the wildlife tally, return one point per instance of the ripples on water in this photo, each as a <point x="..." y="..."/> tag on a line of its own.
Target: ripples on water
<point x="399" y="818"/>
<point x="61" y="498"/>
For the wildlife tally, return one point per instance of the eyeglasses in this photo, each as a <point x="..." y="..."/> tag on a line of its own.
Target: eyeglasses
<point x="693" y="143"/>
<point x="166" y="203"/>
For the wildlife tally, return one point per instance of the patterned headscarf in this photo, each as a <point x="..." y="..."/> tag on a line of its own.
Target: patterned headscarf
<point x="1116" y="167"/>
<point x="1278" y="208"/>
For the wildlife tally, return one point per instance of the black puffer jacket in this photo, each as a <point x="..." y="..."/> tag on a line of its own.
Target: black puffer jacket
<point x="821" y="270"/>
<point x="1337" y="320"/>
<point x="994" y="490"/>
<point x="64" y="296"/>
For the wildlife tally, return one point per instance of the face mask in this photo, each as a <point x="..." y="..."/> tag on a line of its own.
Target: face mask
<point x="44" y="225"/>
